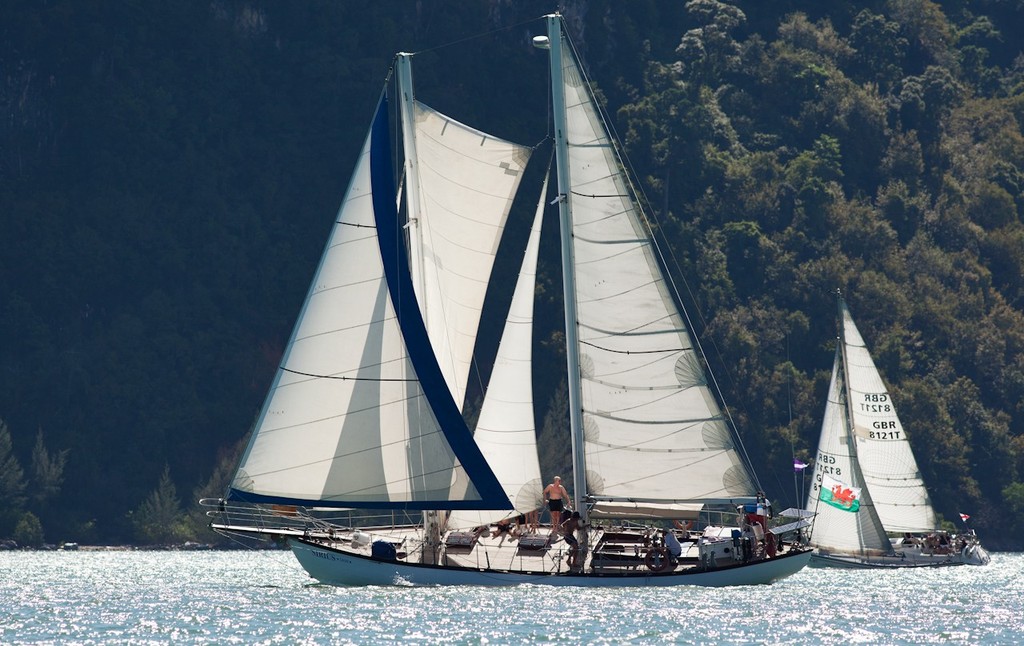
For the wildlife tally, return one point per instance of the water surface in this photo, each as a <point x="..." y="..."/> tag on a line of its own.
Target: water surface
<point x="244" y="597"/>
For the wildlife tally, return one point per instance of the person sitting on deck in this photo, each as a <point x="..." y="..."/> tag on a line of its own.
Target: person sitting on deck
<point x="674" y="547"/>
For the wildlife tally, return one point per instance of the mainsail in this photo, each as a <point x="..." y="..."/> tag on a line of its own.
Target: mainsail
<point x="654" y="435"/>
<point x="358" y="414"/>
<point x="883" y="450"/>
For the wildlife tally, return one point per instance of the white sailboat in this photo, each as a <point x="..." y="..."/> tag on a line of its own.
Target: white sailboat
<point x="866" y="481"/>
<point x="365" y="411"/>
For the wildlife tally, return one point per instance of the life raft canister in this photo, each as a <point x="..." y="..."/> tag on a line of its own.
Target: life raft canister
<point x="656" y="559"/>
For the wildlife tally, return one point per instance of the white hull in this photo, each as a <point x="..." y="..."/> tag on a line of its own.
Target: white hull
<point x="338" y="567"/>
<point x="970" y="555"/>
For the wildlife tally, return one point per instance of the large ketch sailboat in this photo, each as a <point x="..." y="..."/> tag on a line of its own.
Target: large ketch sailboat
<point x="866" y="480"/>
<point x="365" y="410"/>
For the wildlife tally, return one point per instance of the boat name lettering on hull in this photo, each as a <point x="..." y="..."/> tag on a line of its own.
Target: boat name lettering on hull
<point x="327" y="556"/>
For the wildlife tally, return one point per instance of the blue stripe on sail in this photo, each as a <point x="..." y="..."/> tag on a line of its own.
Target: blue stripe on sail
<point x="413" y="505"/>
<point x="414" y="331"/>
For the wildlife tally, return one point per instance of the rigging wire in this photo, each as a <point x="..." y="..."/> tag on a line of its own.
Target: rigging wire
<point x="475" y="36"/>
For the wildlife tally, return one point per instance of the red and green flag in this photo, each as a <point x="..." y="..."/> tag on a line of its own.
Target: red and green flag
<point x="839" y="495"/>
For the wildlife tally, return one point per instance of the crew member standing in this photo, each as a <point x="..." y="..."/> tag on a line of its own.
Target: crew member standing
<point x="556" y="496"/>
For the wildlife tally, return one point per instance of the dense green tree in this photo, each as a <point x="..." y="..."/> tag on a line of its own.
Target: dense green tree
<point x="47" y="472"/>
<point x="879" y="50"/>
<point x="29" y="531"/>
<point x="553" y="445"/>
<point x="159" y="518"/>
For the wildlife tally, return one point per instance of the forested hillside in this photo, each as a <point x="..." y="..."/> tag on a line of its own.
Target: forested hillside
<point x="168" y="172"/>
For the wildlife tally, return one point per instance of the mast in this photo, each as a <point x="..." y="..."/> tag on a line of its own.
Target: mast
<point x="412" y="176"/>
<point x="579" y="467"/>
<point x="432" y="520"/>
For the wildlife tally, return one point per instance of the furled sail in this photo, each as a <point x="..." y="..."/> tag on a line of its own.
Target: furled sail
<point x="506" y="429"/>
<point x="836" y="528"/>
<point x="358" y="414"/>
<point x="465" y="181"/>
<point x="653" y="430"/>
<point x="883" y="449"/>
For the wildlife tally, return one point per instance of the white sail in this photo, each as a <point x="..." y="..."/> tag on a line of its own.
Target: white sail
<point x="653" y="430"/>
<point x="465" y="182"/>
<point x="837" y="529"/>
<point x="886" y="459"/>
<point x="506" y="429"/>
<point x="348" y="420"/>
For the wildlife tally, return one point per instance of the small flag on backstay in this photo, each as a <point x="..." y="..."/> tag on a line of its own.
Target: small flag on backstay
<point x="964" y="517"/>
<point x="798" y="465"/>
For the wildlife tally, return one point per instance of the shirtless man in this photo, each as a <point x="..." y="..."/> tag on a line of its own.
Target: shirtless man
<point x="556" y="495"/>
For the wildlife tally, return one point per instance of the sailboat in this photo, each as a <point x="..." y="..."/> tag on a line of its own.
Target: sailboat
<point x="866" y="481"/>
<point x="361" y="460"/>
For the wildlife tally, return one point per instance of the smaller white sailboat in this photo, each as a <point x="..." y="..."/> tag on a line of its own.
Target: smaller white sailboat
<point x="870" y="503"/>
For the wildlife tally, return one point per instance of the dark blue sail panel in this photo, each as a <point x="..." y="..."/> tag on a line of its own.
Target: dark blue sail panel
<point x="411" y="505"/>
<point x="414" y="331"/>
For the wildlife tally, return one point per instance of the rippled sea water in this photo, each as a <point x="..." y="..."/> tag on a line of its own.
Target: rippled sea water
<point x="239" y="597"/>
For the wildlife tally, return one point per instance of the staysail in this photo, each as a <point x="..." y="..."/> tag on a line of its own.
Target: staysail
<point x="654" y="436"/>
<point x="883" y="448"/>
<point x="506" y="429"/>
<point x="359" y="414"/>
<point x="461" y="185"/>
<point x="837" y="528"/>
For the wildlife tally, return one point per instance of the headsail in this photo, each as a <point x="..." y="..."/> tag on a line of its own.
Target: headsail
<point x="358" y="414"/>
<point x="883" y="449"/>
<point x="836" y="528"/>
<point x="505" y="430"/>
<point x="461" y="185"/>
<point x="653" y="431"/>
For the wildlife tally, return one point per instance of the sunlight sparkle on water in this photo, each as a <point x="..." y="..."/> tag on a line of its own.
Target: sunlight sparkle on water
<point x="266" y="598"/>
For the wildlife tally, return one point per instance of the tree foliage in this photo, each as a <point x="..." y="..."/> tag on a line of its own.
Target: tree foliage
<point x="159" y="518"/>
<point x="167" y="175"/>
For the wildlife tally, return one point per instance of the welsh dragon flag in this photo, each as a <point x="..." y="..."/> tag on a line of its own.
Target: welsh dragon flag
<point x="838" y="495"/>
